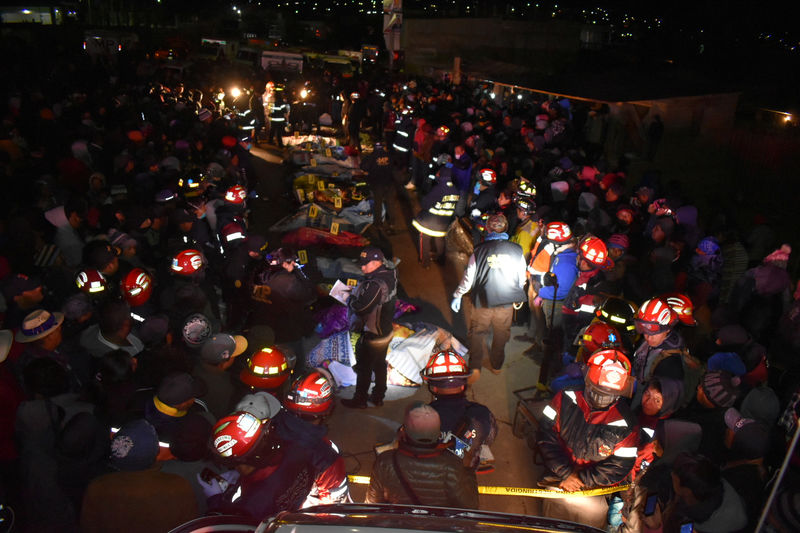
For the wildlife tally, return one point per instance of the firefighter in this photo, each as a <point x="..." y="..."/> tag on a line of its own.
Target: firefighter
<point x="468" y="428"/>
<point x="589" y="438"/>
<point x="436" y="213"/>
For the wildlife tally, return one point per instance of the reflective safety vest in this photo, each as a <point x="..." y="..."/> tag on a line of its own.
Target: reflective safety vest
<point x="435" y="219"/>
<point x="278" y="112"/>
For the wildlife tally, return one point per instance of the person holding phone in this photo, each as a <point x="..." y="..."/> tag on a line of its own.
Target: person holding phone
<point x="702" y="500"/>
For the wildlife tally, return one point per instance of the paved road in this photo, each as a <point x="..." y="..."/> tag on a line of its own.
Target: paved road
<point x="357" y="431"/>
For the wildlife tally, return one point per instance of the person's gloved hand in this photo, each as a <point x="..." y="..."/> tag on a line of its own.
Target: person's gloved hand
<point x="455" y="305"/>
<point x="212" y="487"/>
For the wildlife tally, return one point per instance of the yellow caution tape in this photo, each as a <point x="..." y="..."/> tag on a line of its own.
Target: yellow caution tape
<point x="525" y="491"/>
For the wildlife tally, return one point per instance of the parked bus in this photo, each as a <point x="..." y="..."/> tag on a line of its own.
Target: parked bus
<point x="282" y="61"/>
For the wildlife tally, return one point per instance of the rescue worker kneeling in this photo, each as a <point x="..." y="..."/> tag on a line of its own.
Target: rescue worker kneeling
<point x="588" y="439"/>
<point x="438" y="209"/>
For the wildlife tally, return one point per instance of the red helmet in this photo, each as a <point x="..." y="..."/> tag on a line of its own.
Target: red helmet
<point x="608" y="374"/>
<point x="488" y="176"/>
<point x="599" y="335"/>
<point x="187" y="262"/>
<point x="310" y="395"/>
<point x="682" y="306"/>
<point x="137" y="286"/>
<point x="594" y="250"/>
<point x="266" y="369"/>
<point x="91" y="281"/>
<point x="241" y="436"/>
<point x="443" y="365"/>
<point x="236" y="195"/>
<point x="655" y="316"/>
<point x="232" y="232"/>
<point x="558" y="232"/>
<point x="446" y="373"/>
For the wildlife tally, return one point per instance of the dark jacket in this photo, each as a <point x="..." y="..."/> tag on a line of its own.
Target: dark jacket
<point x="470" y="422"/>
<point x="373" y="301"/>
<point x="600" y="446"/>
<point x="436" y="476"/>
<point x="437" y="209"/>
<point x="378" y="168"/>
<point x="495" y="273"/>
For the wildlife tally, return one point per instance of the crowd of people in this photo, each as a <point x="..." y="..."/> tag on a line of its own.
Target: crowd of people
<point x="151" y="361"/>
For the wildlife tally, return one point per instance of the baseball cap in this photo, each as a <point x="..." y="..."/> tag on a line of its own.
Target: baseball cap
<point x="179" y="387"/>
<point x="19" y="283"/>
<point x="750" y="438"/>
<point x="135" y="446"/>
<point x="370" y="253"/>
<point x="421" y="423"/>
<point x="261" y="405"/>
<point x="222" y="347"/>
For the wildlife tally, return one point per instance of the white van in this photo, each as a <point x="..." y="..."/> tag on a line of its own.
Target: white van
<point x="282" y="61"/>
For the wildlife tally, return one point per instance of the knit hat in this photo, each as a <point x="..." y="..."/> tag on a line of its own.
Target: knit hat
<point x="761" y="404"/>
<point x="421" y="423"/>
<point x="190" y="438"/>
<point x="727" y="361"/>
<point x="720" y="387"/>
<point x="619" y="240"/>
<point x="750" y="438"/>
<point x="135" y="446"/>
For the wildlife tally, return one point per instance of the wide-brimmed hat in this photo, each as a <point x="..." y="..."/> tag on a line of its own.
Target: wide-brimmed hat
<point x="38" y="324"/>
<point x="6" y="340"/>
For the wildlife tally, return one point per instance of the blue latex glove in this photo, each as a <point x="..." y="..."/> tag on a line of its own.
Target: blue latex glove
<point x="455" y="305"/>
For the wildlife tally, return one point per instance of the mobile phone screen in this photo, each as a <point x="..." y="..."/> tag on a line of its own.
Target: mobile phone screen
<point x="687" y="528"/>
<point x="459" y="447"/>
<point x="650" y="506"/>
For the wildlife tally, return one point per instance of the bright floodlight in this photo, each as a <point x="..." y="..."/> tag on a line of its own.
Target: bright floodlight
<point x="235" y="92"/>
